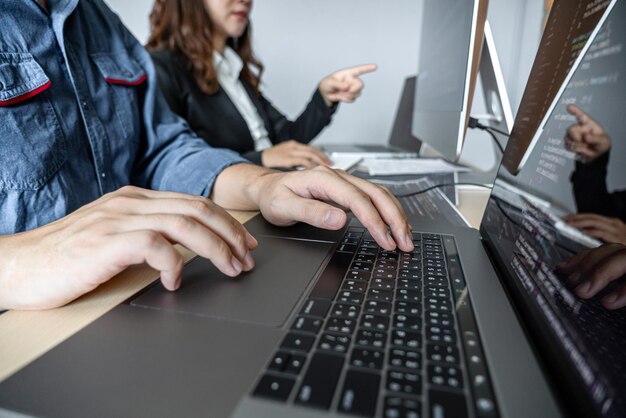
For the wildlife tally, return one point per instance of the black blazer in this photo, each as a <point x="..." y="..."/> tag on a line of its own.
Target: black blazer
<point x="216" y="119"/>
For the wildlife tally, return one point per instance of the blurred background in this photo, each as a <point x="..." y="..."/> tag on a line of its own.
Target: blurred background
<point x="301" y="41"/>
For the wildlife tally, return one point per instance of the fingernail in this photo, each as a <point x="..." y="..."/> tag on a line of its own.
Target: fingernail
<point x="251" y="240"/>
<point x="583" y="288"/>
<point x="236" y="264"/>
<point x="610" y="298"/>
<point x="390" y="240"/>
<point x="249" y="262"/>
<point x="333" y="218"/>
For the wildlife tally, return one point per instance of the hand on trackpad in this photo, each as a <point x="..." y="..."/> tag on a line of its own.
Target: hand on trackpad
<point x="266" y="295"/>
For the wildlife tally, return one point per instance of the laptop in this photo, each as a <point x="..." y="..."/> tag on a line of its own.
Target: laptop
<point x="470" y="324"/>
<point x="402" y="144"/>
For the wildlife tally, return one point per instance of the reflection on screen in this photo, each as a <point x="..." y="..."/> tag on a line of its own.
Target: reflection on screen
<point x="578" y="166"/>
<point x="568" y="28"/>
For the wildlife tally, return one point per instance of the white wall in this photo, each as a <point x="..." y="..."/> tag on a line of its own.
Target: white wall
<point x="300" y="41"/>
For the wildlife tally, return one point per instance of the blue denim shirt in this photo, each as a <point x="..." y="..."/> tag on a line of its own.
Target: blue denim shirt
<point x="81" y="115"/>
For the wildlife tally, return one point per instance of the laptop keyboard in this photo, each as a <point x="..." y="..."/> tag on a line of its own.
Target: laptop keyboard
<point x="385" y="333"/>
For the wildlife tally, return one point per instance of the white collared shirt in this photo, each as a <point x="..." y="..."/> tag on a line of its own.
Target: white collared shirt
<point x="229" y="66"/>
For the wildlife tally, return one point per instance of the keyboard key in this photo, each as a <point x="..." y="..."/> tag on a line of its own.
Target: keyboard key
<point x="371" y="338"/>
<point x="330" y="280"/>
<point x="377" y="307"/>
<point x="405" y="359"/>
<point x="368" y="358"/>
<point x="299" y="342"/>
<point x="408" y="308"/>
<point x="310" y="325"/>
<point x="369" y="258"/>
<point x="439" y="319"/>
<point x="408" y="295"/>
<point x="382" y="284"/>
<point x="359" y="393"/>
<point x="341" y="325"/>
<point x="446" y="376"/>
<point x="320" y="380"/>
<point x="409" y="383"/>
<point x="361" y="266"/>
<point x="380" y="295"/>
<point x="335" y="343"/>
<point x="316" y="307"/>
<point x="295" y="363"/>
<point x="279" y="361"/>
<point x="404" y="339"/>
<point x="442" y="353"/>
<point x="355" y="285"/>
<point x="384" y="274"/>
<point x="410" y="274"/>
<point x="446" y="404"/>
<point x="346" y="296"/>
<point x="408" y="284"/>
<point x="358" y="275"/>
<point x="380" y="323"/>
<point x="407" y="322"/>
<point x="343" y="310"/>
<point x="396" y="407"/>
<point x="274" y="387"/>
<point x="441" y="334"/>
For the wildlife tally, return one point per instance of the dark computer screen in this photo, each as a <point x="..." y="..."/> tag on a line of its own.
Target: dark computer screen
<point x="577" y="167"/>
<point x="567" y="30"/>
<point x="450" y="44"/>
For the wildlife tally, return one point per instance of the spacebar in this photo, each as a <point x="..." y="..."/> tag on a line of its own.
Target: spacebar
<point x="330" y="280"/>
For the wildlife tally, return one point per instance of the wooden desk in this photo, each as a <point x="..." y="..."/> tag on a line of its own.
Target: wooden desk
<point x="24" y="336"/>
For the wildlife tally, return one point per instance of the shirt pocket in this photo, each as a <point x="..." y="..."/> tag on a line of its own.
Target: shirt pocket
<point x="32" y="145"/>
<point x="124" y="76"/>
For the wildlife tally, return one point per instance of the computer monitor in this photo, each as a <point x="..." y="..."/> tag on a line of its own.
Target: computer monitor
<point x="451" y="41"/>
<point x="565" y="36"/>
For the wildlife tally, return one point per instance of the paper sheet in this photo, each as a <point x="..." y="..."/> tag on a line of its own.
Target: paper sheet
<point x="390" y="167"/>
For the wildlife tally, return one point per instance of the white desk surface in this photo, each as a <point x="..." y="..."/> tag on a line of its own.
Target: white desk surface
<point x="24" y="335"/>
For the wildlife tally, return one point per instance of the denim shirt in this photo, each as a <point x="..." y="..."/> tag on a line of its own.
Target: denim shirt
<point x="81" y="115"/>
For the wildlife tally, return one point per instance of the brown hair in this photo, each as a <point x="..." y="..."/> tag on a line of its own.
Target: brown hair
<point x="185" y="26"/>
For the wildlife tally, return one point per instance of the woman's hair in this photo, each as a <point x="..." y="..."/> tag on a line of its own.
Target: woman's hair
<point x="184" y="26"/>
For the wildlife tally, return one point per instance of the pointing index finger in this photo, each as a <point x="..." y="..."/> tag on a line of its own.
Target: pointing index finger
<point x="361" y="69"/>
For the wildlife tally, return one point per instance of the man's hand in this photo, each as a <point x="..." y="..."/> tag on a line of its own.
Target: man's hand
<point x="587" y="137"/>
<point x="52" y="265"/>
<point x="311" y="196"/>
<point x="344" y="85"/>
<point x="592" y="270"/>
<point x="292" y="153"/>
<point x="601" y="227"/>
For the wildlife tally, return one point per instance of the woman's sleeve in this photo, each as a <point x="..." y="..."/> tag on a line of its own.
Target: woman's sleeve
<point x="168" y="82"/>
<point x="591" y="193"/>
<point x="311" y="121"/>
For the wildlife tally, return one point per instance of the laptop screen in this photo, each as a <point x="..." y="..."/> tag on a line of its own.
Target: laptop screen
<point x="569" y="198"/>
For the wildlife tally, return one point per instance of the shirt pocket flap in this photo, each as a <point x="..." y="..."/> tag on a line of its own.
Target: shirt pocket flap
<point x="21" y="78"/>
<point x="119" y="68"/>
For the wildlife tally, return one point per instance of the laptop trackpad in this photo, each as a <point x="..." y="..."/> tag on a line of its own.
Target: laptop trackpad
<point x="266" y="295"/>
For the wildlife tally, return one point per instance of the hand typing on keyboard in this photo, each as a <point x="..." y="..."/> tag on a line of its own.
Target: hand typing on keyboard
<point x="598" y="226"/>
<point x="592" y="270"/>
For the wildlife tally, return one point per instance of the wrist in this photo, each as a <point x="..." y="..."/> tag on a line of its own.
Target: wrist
<point x="257" y="188"/>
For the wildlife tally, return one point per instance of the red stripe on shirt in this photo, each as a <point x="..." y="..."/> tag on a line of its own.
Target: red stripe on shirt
<point x="25" y="96"/>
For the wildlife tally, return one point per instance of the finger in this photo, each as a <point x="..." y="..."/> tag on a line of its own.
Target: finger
<point x="332" y="85"/>
<point x="146" y="246"/>
<point x="202" y="210"/>
<point x="574" y="134"/>
<point x="313" y="154"/>
<point x="192" y="235"/>
<point x="580" y="115"/>
<point x="295" y="161"/>
<point x="389" y="208"/>
<point x="312" y="212"/>
<point x="359" y="70"/>
<point x="605" y="271"/>
<point x="588" y="263"/>
<point x="615" y="299"/>
<point x="606" y="236"/>
<point x="570" y="265"/>
<point x="326" y="184"/>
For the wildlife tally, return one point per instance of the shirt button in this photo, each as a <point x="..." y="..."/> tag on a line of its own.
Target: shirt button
<point x="84" y="103"/>
<point x="103" y="175"/>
